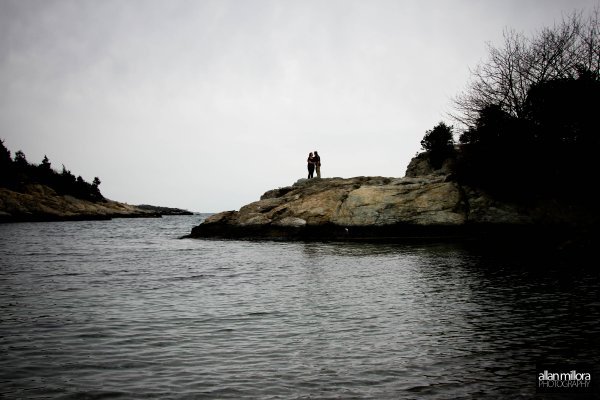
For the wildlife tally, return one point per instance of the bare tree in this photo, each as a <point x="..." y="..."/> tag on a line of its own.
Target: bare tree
<point x="563" y="51"/>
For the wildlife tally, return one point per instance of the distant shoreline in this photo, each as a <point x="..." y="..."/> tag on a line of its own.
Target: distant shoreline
<point x="40" y="203"/>
<point x="164" y="210"/>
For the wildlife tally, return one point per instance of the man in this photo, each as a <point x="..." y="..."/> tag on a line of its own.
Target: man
<point x="317" y="161"/>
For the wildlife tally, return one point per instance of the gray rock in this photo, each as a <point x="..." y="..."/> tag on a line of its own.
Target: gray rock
<point x="292" y="222"/>
<point x="421" y="165"/>
<point x="425" y="202"/>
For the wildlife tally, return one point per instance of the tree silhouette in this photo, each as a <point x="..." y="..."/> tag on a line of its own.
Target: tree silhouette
<point x="439" y="142"/>
<point x="6" y="166"/>
<point x="530" y="113"/>
<point x="555" y="140"/>
<point x="18" y="173"/>
<point x="5" y="158"/>
<point x="20" y="159"/>
<point x="520" y="63"/>
<point x="46" y="163"/>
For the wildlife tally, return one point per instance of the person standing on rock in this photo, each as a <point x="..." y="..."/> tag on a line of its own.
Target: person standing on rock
<point x="311" y="165"/>
<point x="317" y="161"/>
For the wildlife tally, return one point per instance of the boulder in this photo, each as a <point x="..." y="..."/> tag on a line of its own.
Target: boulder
<point x="421" y="165"/>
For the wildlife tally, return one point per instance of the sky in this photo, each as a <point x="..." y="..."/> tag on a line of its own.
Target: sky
<point x="205" y="105"/>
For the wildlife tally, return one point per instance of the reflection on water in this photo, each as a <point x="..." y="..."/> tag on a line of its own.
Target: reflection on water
<point x="123" y="309"/>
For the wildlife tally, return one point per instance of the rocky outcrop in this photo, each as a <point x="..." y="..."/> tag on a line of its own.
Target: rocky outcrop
<point x="421" y="165"/>
<point x="164" y="210"/>
<point x="41" y="203"/>
<point x="431" y="205"/>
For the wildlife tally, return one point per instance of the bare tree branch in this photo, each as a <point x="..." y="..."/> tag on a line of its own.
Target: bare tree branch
<point x="564" y="50"/>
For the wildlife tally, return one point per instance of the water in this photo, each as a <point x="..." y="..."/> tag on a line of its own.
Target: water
<point x="124" y="309"/>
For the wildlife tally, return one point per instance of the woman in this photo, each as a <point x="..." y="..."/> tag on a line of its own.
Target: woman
<point x="311" y="165"/>
<point x="317" y="162"/>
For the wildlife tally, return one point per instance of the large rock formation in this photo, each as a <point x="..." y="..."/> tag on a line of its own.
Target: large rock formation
<point x="430" y="205"/>
<point x="41" y="203"/>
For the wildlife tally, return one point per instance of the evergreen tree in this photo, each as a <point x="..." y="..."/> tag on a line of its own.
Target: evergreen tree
<point x="6" y="167"/>
<point x="17" y="173"/>
<point x="439" y="142"/>
<point x="20" y="159"/>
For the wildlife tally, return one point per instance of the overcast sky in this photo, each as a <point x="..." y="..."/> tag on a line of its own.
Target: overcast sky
<point x="205" y="105"/>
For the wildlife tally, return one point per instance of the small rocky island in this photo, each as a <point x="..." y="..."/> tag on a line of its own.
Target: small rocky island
<point x="426" y="203"/>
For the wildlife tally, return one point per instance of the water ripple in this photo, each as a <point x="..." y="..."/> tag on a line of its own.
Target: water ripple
<point x="122" y="309"/>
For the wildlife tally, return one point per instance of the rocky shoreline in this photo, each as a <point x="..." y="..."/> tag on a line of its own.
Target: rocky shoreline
<point x="41" y="203"/>
<point x="425" y="207"/>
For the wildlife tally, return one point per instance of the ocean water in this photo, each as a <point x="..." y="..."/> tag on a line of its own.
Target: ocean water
<point x="125" y="309"/>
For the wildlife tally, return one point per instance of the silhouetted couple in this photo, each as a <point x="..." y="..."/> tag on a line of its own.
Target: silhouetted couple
<point x="314" y="162"/>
